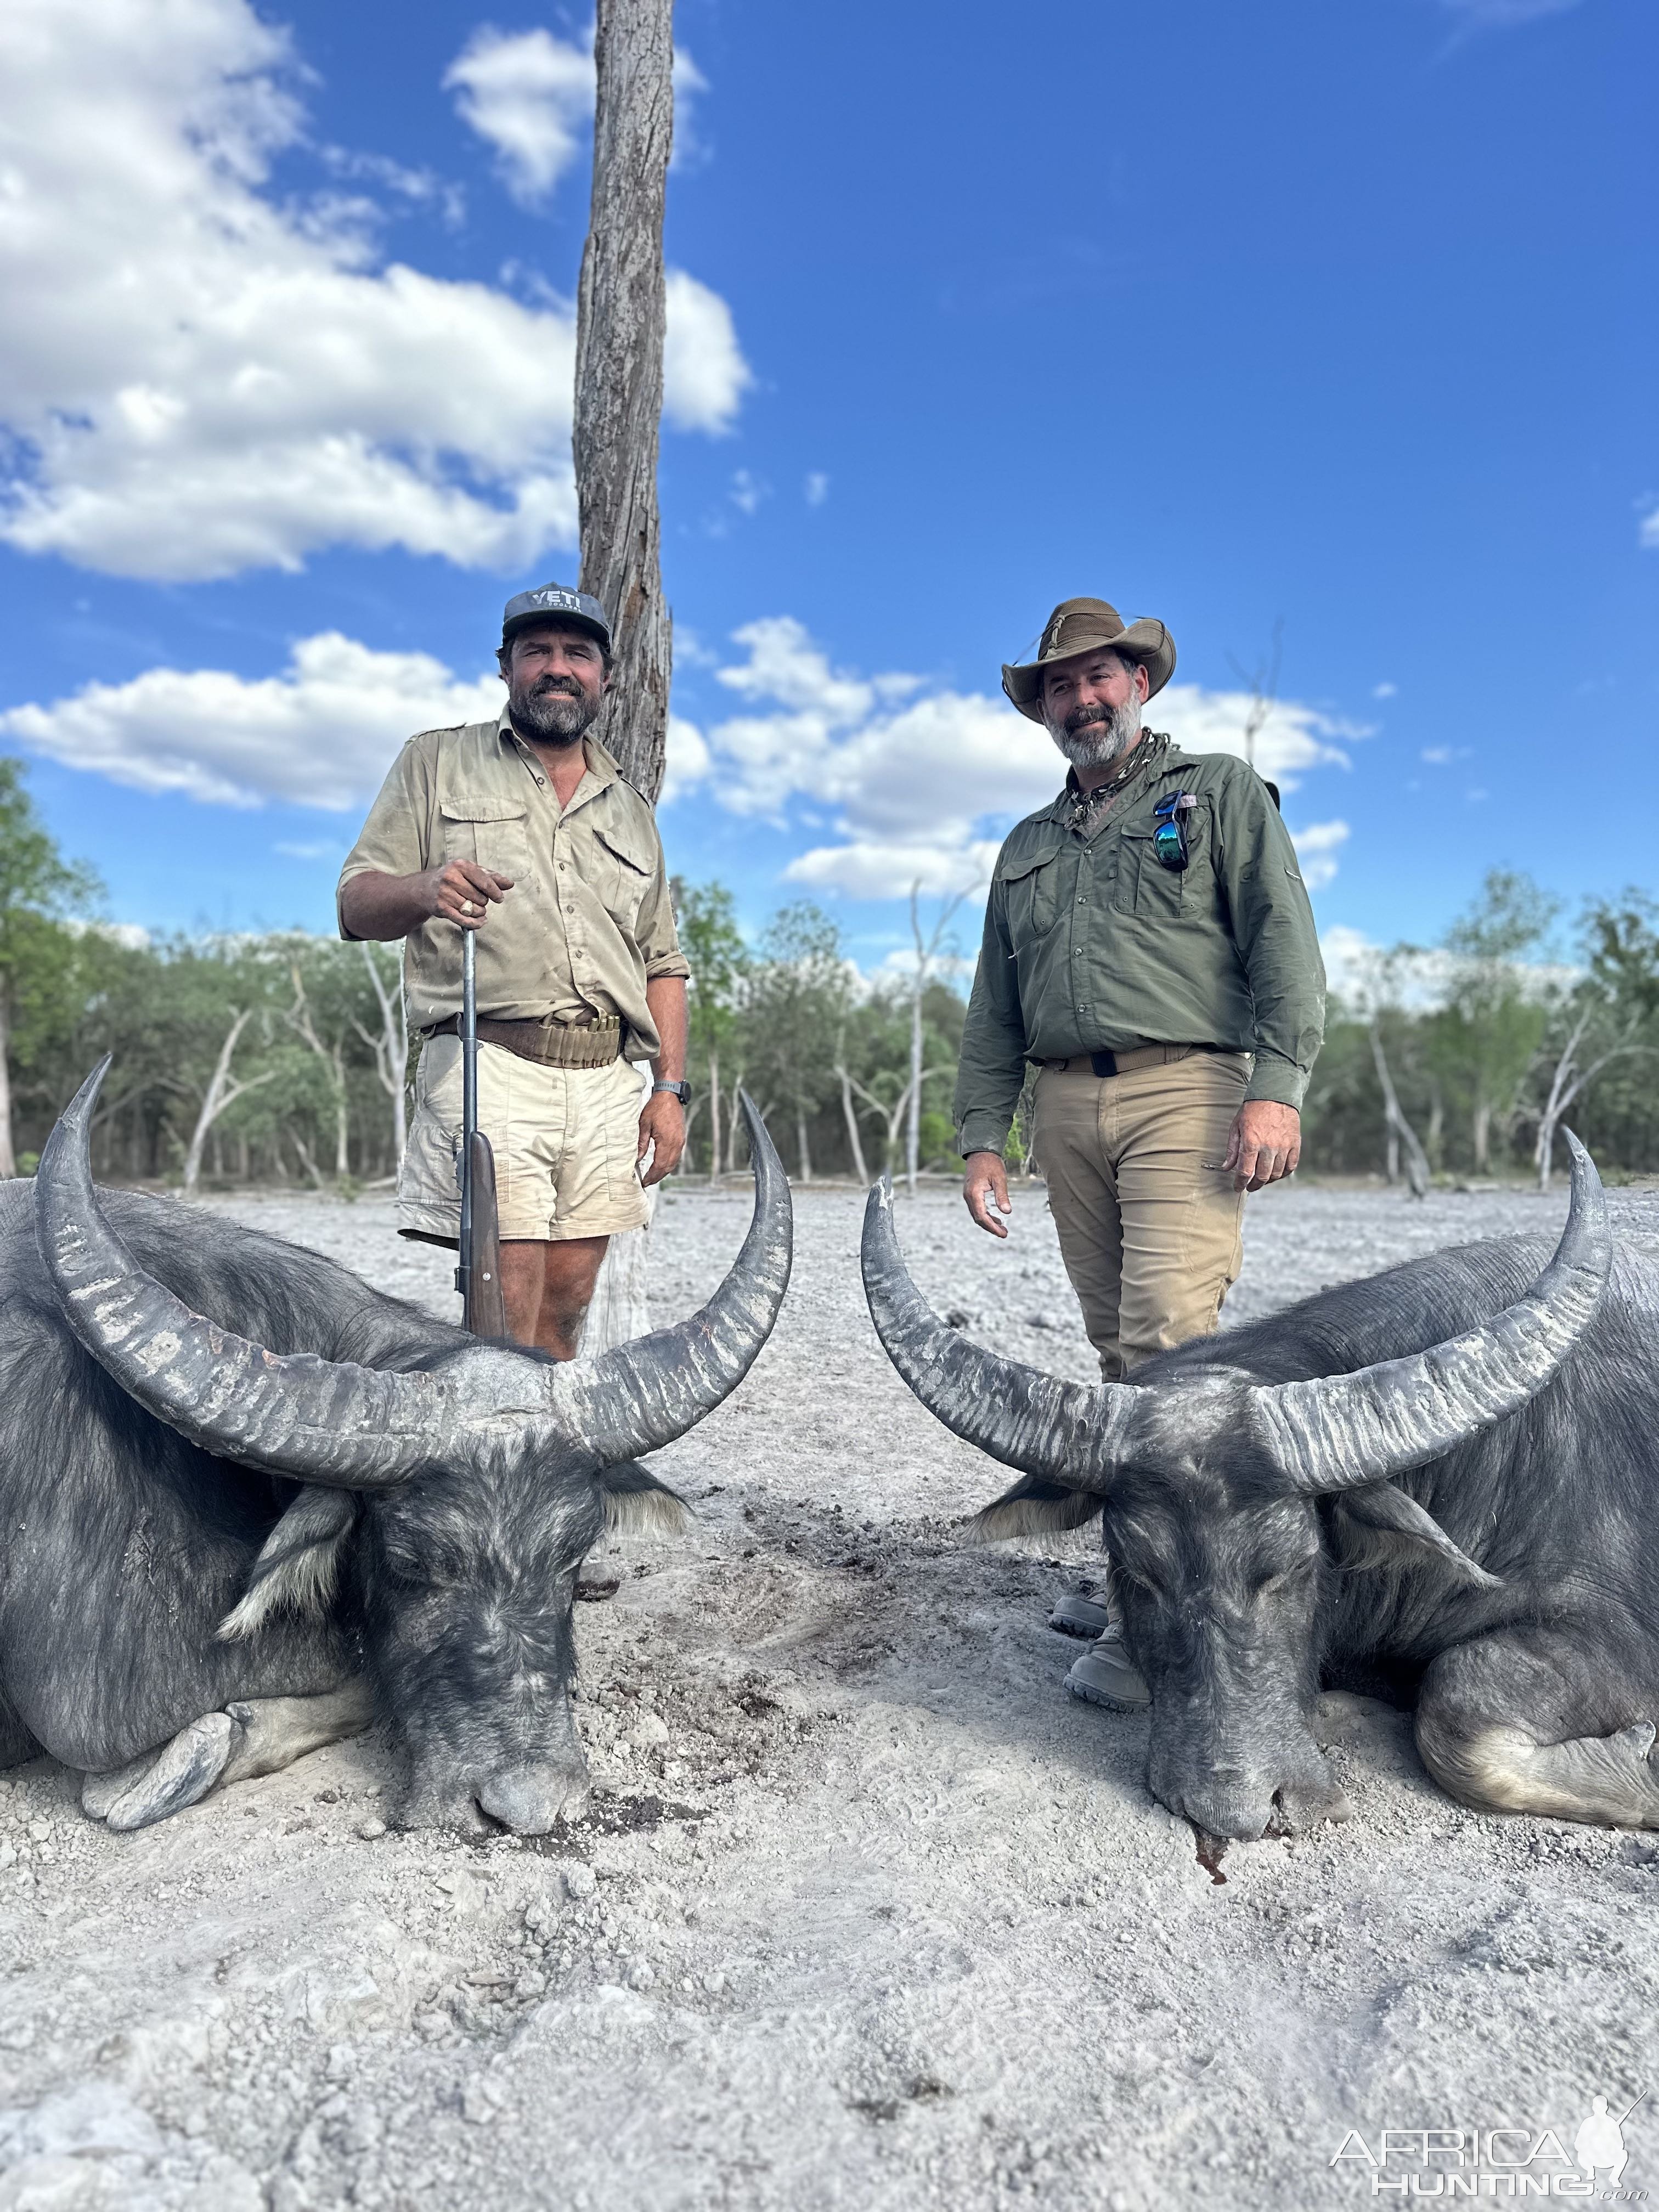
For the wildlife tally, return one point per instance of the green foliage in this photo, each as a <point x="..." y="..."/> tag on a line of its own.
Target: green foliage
<point x="1516" y="1022"/>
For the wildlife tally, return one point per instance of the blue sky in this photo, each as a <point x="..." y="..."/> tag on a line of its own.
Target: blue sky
<point x="1336" y="317"/>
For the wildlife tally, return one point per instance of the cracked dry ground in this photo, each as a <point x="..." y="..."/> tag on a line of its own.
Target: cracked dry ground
<point x="866" y="1912"/>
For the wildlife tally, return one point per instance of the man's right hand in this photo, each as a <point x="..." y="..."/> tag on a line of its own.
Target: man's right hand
<point x="461" y="892"/>
<point x="986" y="1184"/>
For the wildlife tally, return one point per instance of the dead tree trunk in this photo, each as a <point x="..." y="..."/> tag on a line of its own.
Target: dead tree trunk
<point x="854" y="1142"/>
<point x="621" y="315"/>
<point x="713" y="1115"/>
<point x="620" y="309"/>
<point x="8" y="1157"/>
<point x="1417" y="1165"/>
<point x="391" y="1051"/>
<point x="222" y="1091"/>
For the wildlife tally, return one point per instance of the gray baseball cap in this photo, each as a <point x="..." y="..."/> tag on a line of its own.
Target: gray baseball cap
<point x="555" y="603"/>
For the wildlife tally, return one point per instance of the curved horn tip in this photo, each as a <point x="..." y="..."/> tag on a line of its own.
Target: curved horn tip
<point x="80" y="1107"/>
<point x="1581" y="1157"/>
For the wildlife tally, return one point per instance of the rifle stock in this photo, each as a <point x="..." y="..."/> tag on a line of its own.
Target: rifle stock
<point x="478" y="1277"/>
<point x="485" y="1309"/>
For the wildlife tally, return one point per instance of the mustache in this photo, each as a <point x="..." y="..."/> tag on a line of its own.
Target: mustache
<point x="562" y="686"/>
<point x="1081" y="717"/>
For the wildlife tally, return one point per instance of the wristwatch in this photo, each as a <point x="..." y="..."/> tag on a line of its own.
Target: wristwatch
<point x="681" y="1091"/>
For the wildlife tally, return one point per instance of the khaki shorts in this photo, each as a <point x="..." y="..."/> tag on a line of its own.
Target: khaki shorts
<point x="1151" y="1228"/>
<point x="566" y="1141"/>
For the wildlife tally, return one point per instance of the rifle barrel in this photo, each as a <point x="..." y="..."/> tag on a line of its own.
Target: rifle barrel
<point x="468" y="1102"/>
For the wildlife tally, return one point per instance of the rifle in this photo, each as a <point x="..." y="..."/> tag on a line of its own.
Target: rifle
<point x="478" y="1277"/>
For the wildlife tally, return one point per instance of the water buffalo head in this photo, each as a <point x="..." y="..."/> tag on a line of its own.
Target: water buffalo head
<point x="1209" y="1482"/>
<point x="458" y="1490"/>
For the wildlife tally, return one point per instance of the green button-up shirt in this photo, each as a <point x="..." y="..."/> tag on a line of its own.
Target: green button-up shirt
<point x="1092" y="945"/>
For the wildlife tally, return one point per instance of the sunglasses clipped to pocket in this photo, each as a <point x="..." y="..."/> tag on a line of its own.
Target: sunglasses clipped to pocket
<point x="1170" y="829"/>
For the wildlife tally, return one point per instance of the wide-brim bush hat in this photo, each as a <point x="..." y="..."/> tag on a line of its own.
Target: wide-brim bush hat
<point x="1084" y="626"/>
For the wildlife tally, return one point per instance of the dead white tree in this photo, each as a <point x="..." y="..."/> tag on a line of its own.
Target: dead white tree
<point x="621" y="315"/>
<point x="1567" y="1082"/>
<point x="1401" y="1130"/>
<point x="390" y="1046"/>
<point x="222" y="1093"/>
<point x="299" y="1019"/>
<point x="1263" y="682"/>
<point x="849" y="1111"/>
<point x="926" y="954"/>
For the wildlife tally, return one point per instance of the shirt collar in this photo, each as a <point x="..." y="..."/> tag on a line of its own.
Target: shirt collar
<point x="1164" y="755"/>
<point x="601" y="771"/>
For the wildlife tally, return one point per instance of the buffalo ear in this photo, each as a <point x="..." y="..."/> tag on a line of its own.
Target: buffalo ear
<point x="637" y="1505"/>
<point x="297" y="1567"/>
<point x="1384" y="1522"/>
<point x="1034" y="1507"/>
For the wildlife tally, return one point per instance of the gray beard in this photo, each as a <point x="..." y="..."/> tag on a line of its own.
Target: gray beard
<point x="1099" y="740"/>
<point x="550" y="718"/>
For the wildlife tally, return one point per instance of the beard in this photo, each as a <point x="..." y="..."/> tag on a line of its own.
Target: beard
<point x="551" y="710"/>
<point x="1091" y="737"/>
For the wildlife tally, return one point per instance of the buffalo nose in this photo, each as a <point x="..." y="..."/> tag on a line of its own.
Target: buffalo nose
<point x="529" y="1799"/>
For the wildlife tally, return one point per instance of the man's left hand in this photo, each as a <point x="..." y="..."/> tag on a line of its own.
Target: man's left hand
<point x="662" y="1125"/>
<point x="1264" y="1143"/>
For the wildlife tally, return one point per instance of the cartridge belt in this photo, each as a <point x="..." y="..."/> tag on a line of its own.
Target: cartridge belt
<point x="552" y="1043"/>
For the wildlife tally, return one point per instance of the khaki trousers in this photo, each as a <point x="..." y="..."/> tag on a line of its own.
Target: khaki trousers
<point x="1151" y="1229"/>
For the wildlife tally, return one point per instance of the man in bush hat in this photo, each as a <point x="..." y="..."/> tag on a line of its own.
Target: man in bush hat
<point x="1150" y="953"/>
<point x="522" y="829"/>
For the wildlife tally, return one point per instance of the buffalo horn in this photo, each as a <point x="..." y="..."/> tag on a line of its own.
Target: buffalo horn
<point x="641" y="1395"/>
<point x="1064" y="1431"/>
<point x="1337" y="1431"/>
<point x="332" y="1423"/>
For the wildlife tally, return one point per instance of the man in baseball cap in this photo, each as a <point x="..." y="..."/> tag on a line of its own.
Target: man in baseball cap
<point x="523" y="830"/>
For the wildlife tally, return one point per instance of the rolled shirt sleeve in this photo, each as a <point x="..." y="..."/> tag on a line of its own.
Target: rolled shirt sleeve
<point x="394" y="838"/>
<point x="992" y="1068"/>
<point x="1273" y="929"/>
<point x="659" y="939"/>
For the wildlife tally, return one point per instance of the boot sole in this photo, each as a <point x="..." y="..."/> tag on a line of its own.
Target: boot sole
<point x="1075" y="1628"/>
<point x="1109" y="1705"/>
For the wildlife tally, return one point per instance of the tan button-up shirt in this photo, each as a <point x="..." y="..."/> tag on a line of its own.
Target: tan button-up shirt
<point x="587" y="923"/>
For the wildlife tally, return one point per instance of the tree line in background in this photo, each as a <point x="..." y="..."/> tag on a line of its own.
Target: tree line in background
<point x="283" y="1057"/>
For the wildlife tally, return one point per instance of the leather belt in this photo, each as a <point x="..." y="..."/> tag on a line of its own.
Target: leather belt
<point x="1106" y="1064"/>
<point x="551" y="1043"/>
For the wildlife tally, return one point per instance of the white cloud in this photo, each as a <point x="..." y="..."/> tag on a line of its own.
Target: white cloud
<point x="1366" y="976"/>
<point x="200" y="378"/>
<point x="1383" y="690"/>
<point x="687" y="763"/>
<point x="323" y="733"/>
<point x="531" y="96"/>
<point x="747" y="491"/>
<point x="1316" y="848"/>
<point x="816" y="488"/>
<point x="921" y="783"/>
<point x="1651" y="529"/>
<point x="704" y="373"/>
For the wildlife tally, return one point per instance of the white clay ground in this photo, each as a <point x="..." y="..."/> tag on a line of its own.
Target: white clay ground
<point x="868" y="1914"/>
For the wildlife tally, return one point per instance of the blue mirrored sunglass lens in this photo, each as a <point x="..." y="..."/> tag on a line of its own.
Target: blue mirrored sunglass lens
<point x="1167" y="845"/>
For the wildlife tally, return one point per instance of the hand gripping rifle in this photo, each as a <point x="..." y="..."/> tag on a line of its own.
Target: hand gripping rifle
<point x="478" y="1277"/>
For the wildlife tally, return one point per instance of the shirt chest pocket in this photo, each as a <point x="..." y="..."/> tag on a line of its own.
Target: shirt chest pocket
<point x="624" y="869"/>
<point x="1032" y="889"/>
<point x="494" y="832"/>
<point x="1145" y="887"/>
